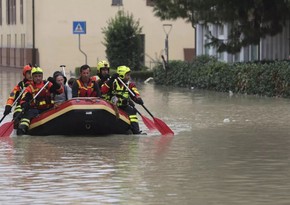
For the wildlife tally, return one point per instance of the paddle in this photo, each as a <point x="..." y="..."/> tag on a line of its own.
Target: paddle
<point x="7" y="128"/>
<point x="160" y="125"/>
<point x="149" y="123"/>
<point x="14" y="103"/>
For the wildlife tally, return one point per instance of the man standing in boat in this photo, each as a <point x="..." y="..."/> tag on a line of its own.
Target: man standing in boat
<point x="16" y="93"/>
<point x="85" y="85"/>
<point x="37" y="98"/>
<point x="121" y="96"/>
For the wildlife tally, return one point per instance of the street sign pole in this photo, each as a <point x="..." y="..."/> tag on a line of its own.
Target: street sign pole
<point x="79" y="27"/>
<point x="86" y="61"/>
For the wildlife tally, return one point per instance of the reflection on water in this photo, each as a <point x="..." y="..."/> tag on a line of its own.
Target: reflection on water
<point x="8" y="79"/>
<point x="227" y="150"/>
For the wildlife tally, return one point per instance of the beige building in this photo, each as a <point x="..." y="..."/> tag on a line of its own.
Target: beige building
<point x="42" y="31"/>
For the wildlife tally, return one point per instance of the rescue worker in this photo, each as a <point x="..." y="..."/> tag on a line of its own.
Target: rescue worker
<point x="122" y="97"/>
<point x="103" y="69"/>
<point x="85" y="85"/>
<point x="33" y="106"/>
<point x="66" y="95"/>
<point x="17" y="90"/>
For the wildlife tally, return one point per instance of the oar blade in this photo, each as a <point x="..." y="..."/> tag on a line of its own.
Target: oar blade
<point x="162" y="127"/>
<point x="6" y="129"/>
<point x="149" y="123"/>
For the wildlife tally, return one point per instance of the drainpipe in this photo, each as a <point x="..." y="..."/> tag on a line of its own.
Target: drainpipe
<point x="33" y="35"/>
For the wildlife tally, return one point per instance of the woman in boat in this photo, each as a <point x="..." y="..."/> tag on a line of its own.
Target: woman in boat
<point x="14" y="95"/>
<point x="85" y="85"/>
<point x="67" y="94"/>
<point x="34" y="103"/>
<point x="122" y="97"/>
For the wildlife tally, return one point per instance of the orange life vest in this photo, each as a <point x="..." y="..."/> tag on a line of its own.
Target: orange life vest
<point x="86" y="90"/>
<point x="44" y="99"/>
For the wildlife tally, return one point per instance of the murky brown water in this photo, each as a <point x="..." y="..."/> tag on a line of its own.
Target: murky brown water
<point x="227" y="150"/>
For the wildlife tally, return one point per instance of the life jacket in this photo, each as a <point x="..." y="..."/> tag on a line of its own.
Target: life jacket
<point x="86" y="90"/>
<point x="44" y="99"/>
<point x="121" y="93"/>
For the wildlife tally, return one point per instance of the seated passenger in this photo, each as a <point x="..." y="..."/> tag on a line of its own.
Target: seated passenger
<point x="85" y="86"/>
<point x="66" y="95"/>
<point x="34" y="101"/>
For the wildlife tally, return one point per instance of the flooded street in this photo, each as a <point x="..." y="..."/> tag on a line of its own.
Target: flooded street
<point x="226" y="150"/>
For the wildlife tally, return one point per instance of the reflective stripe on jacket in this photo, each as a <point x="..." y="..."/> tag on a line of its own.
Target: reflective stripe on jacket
<point x="86" y="90"/>
<point x="44" y="99"/>
<point x="16" y="91"/>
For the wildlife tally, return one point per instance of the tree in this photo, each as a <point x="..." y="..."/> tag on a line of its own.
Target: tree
<point x="249" y="20"/>
<point x="122" y="41"/>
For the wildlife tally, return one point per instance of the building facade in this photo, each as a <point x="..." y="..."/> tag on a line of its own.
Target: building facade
<point x="42" y="32"/>
<point x="270" y="48"/>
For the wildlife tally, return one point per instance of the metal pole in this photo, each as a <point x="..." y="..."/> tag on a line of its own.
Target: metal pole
<point x="167" y="28"/>
<point x="33" y="35"/>
<point x="81" y="49"/>
<point x="166" y="48"/>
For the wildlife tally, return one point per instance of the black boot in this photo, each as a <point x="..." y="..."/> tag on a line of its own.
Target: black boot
<point x="21" y="130"/>
<point x="135" y="128"/>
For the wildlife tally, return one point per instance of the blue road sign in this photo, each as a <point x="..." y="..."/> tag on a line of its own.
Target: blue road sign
<point x="79" y="27"/>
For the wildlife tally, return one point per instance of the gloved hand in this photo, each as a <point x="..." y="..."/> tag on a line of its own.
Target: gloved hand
<point x="105" y="77"/>
<point x="51" y="79"/>
<point x="54" y="83"/>
<point x="131" y="103"/>
<point x="139" y="101"/>
<point x="114" y="100"/>
<point x="7" y="109"/>
<point x="25" y="106"/>
<point x="114" y="76"/>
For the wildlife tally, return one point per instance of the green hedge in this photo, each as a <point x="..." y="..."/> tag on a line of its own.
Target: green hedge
<point x="260" y="78"/>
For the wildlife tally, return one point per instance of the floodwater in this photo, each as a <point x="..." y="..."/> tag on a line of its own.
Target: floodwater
<point x="226" y="150"/>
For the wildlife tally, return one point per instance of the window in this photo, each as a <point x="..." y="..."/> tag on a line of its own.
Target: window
<point x="1" y="50"/>
<point x="8" y="12"/>
<point x="8" y="49"/>
<point x="14" y="50"/>
<point x="117" y="2"/>
<point x="150" y="2"/>
<point x="0" y="12"/>
<point x="22" y="49"/>
<point x="206" y="40"/>
<point x="21" y="11"/>
<point x="221" y="56"/>
<point x="221" y="29"/>
<point x="11" y="12"/>
<point x="254" y="52"/>
<point x="236" y="57"/>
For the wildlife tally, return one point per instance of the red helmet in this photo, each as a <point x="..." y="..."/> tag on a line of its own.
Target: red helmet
<point x="26" y="69"/>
